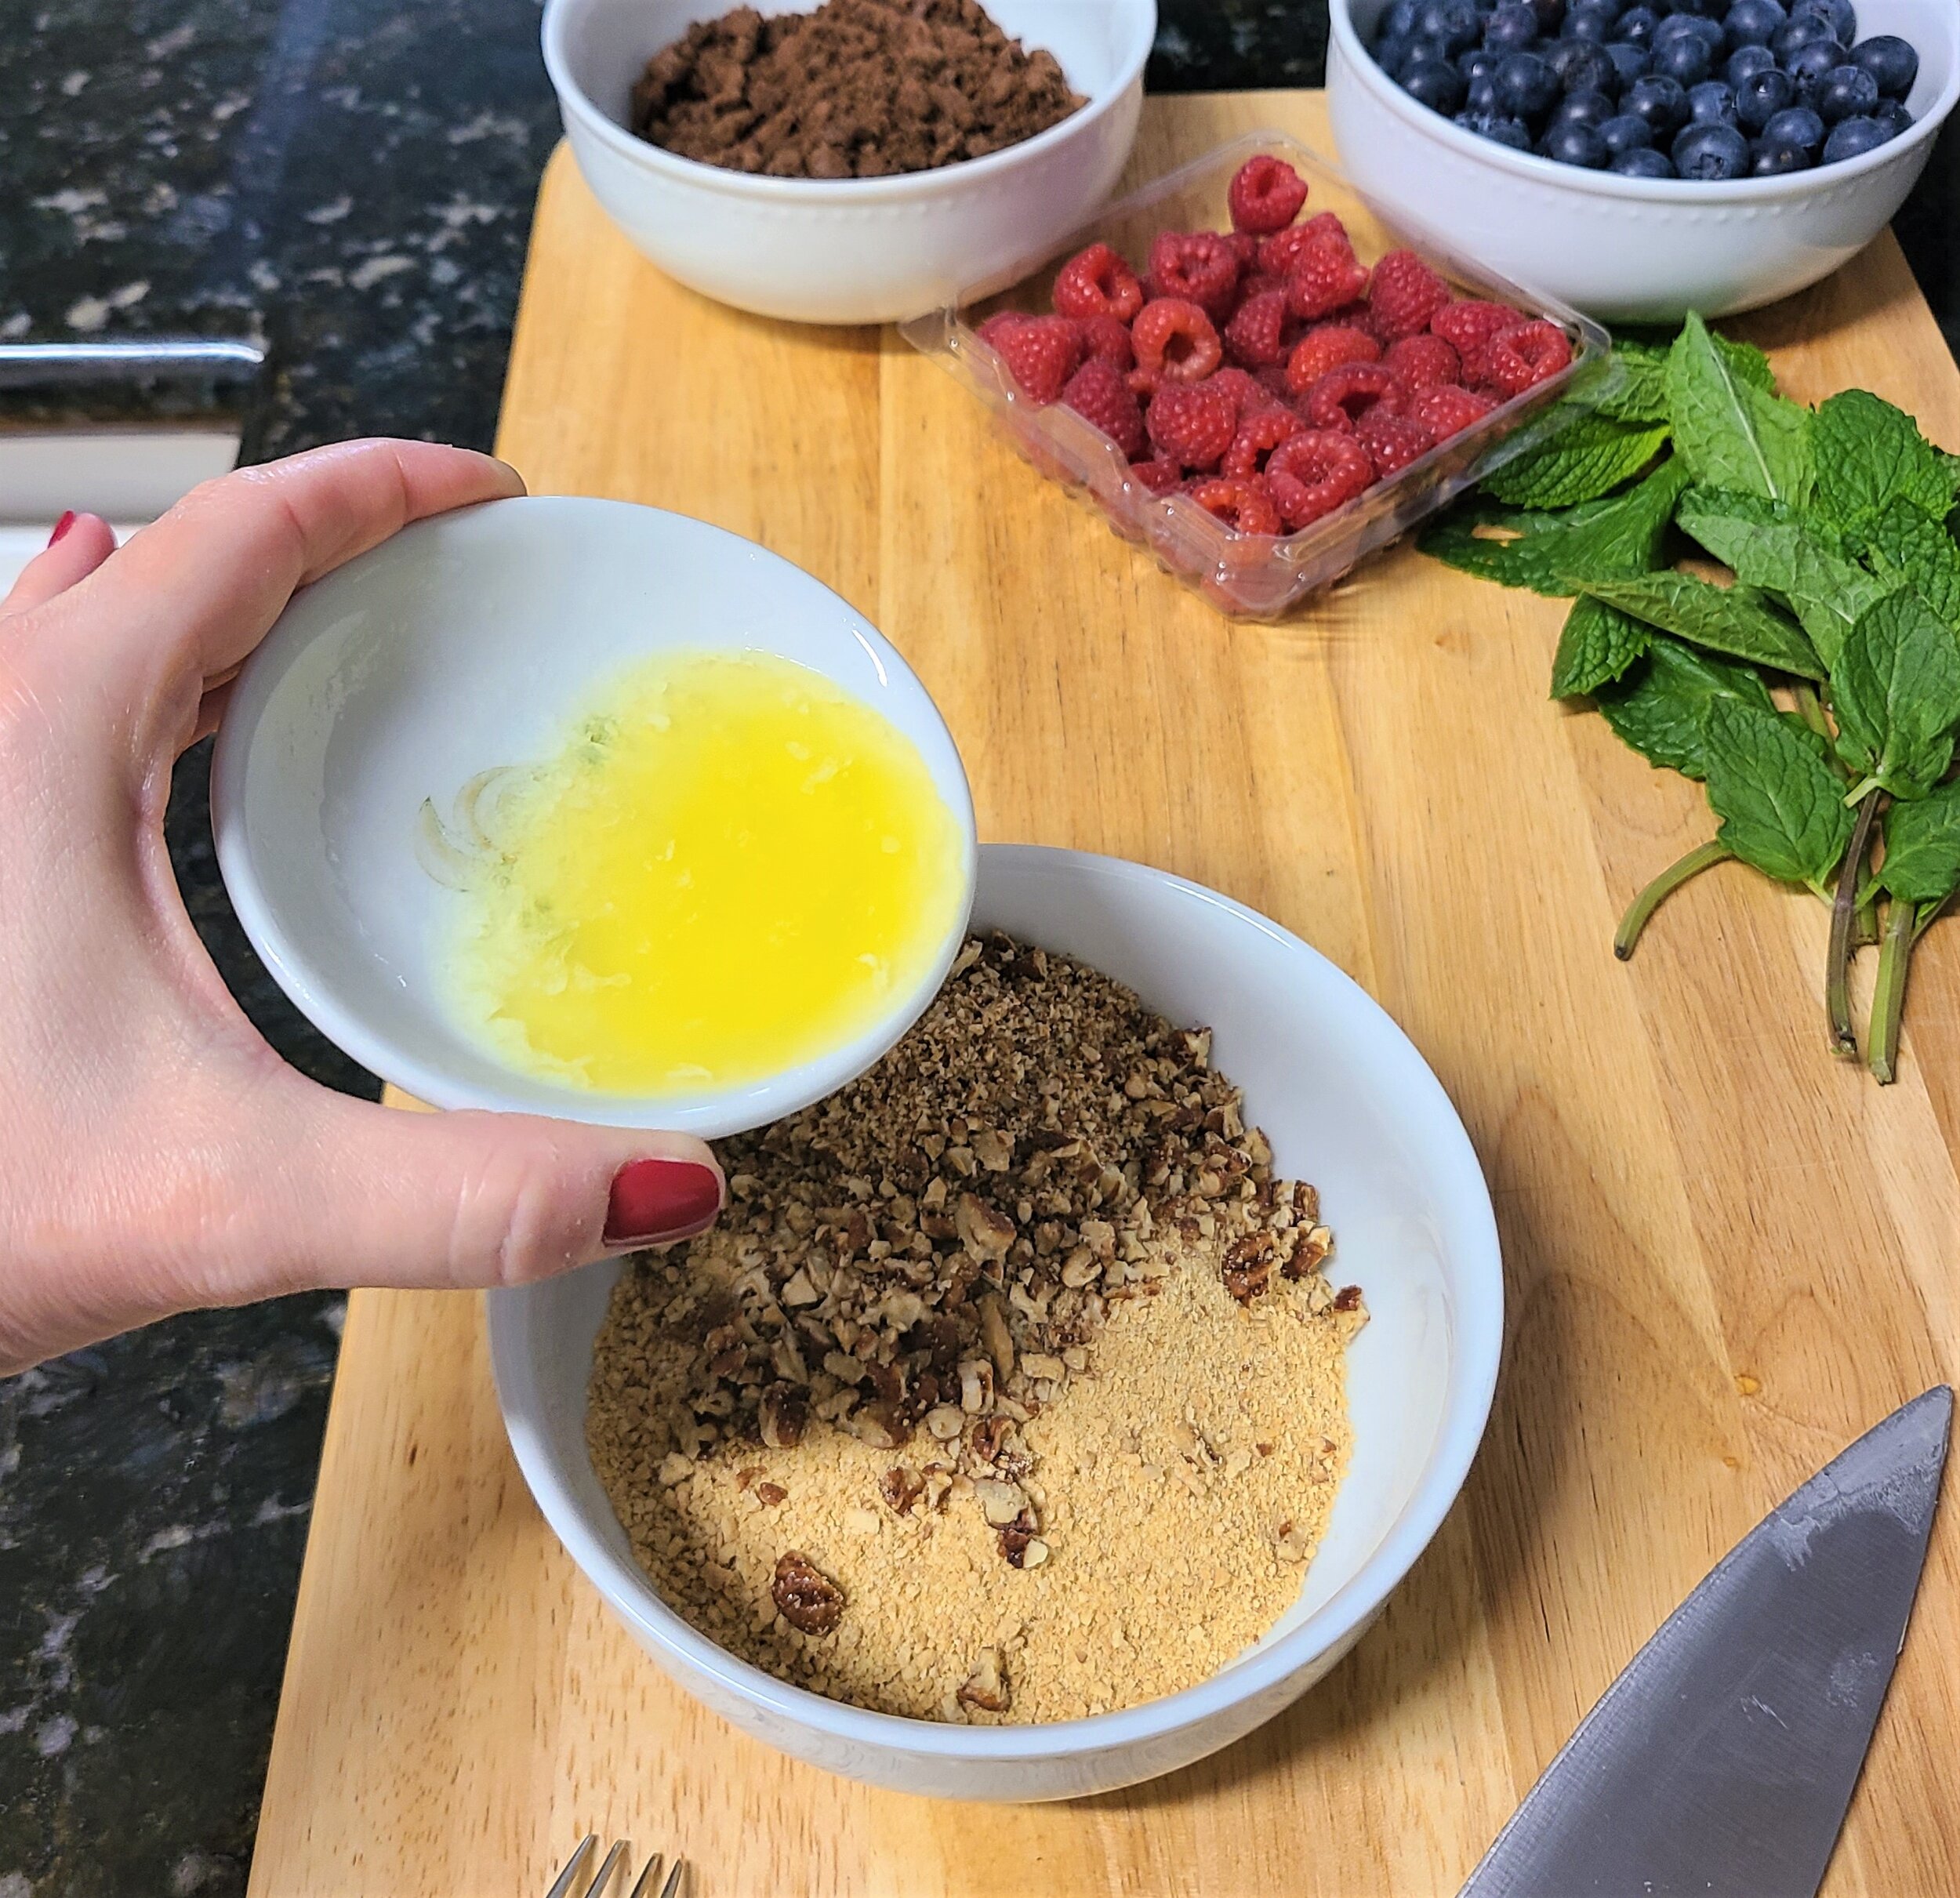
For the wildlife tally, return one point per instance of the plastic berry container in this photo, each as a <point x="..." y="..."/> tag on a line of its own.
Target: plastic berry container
<point x="1253" y="576"/>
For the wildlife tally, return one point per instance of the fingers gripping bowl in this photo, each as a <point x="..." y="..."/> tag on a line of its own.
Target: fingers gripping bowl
<point x="1340" y="1092"/>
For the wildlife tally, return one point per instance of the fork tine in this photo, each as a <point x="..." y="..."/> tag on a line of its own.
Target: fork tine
<point x="562" y="1886"/>
<point x="621" y="1849"/>
<point x="643" y="1885"/>
<point x="672" y="1887"/>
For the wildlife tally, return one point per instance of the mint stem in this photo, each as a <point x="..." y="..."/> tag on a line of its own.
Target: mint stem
<point x="1810" y="708"/>
<point x="1663" y="887"/>
<point x="1844" y="909"/>
<point x="1888" y="999"/>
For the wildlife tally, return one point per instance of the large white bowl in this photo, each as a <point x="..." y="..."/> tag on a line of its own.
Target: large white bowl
<point x="460" y="644"/>
<point x="853" y="250"/>
<point x="1635" y="250"/>
<point x="1349" y="1104"/>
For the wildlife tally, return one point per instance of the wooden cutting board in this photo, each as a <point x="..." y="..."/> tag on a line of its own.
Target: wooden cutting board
<point x="1727" y="1255"/>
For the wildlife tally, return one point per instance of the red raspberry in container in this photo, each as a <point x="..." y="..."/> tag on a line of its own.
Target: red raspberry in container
<point x="1404" y="296"/>
<point x="1327" y="347"/>
<point x="1099" y="394"/>
<point x="1449" y="411"/>
<point x="1159" y="473"/>
<point x="1469" y="323"/>
<point x="1145" y="383"/>
<point x="1242" y="503"/>
<point x="1193" y="426"/>
<point x="1265" y="195"/>
<point x="1327" y="275"/>
<point x="1041" y="354"/>
<point x="1523" y="357"/>
<point x="1392" y="441"/>
<point x="1279" y="253"/>
<point x="1096" y="282"/>
<point x="1343" y="396"/>
<point x="1245" y="247"/>
<point x="1253" y="336"/>
<point x="1104" y="340"/>
<point x="1325" y="470"/>
<point x="1199" y="265"/>
<point x="1424" y="362"/>
<point x="1246" y="393"/>
<point x="1173" y="336"/>
<point x="1259" y="434"/>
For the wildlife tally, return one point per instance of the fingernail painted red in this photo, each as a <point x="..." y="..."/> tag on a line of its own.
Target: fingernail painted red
<point x="656" y="1200"/>
<point x="62" y="526"/>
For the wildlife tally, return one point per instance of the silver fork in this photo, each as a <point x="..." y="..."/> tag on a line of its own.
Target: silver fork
<point x="567" y="1886"/>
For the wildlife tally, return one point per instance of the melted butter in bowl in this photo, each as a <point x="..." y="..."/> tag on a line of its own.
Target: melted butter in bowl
<point x="730" y="866"/>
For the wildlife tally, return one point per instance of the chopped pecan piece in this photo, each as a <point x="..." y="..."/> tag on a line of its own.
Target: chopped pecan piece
<point x="985" y="1233"/>
<point x="902" y="1488"/>
<point x="1348" y="1298"/>
<point x="1247" y="1270"/>
<point x="783" y="1416"/>
<point x="987" y="1687"/>
<point x="806" y="1598"/>
<point x="771" y="1493"/>
<point x="1309" y="1252"/>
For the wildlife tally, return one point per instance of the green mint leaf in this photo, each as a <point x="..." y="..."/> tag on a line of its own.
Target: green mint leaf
<point x="1658" y="706"/>
<point x="1911" y="549"/>
<point x="1896" y="691"/>
<point x="1869" y="453"/>
<point x="1513" y="547"/>
<point x="1638" y="389"/>
<point x="1782" y="808"/>
<point x="1732" y="432"/>
<point x="1768" y="545"/>
<point x="1922" y="847"/>
<point x="1746" y="362"/>
<point x="1597" y="644"/>
<point x="1736" y="620"/>
<point x="1589" y="455"/>
<point x="1624" y="539"/>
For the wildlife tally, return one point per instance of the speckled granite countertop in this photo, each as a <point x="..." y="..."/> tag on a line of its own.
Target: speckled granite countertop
<point x="350" y="181"/>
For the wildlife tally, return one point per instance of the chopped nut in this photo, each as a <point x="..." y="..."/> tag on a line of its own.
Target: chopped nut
<point x="985" y="1233"/>
<point x="1309" y="1250"/>
<point x="902" y="1488"/>
<point x="976" y="1386"/>
<point x="1039" y="1364"/>
<point x="995" y="1335"/>
<point x="770" y="1493"/>
<point x="994" y="1150"/>
<point x="806" y="1598"/>
<point x="1001" y="1503"/>
<point x="1291" y="1543"/>
<point x="1248" y="1266"/>
<point x="986" y="1687"/>
<point x="782" y="1419"/>
<point x="945" y="1422"/>
<point x="1348" y="1298"/>
<point x="1035" y="1553"/>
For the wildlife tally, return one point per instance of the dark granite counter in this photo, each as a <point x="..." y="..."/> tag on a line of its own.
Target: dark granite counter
<point x="350" y="181"/>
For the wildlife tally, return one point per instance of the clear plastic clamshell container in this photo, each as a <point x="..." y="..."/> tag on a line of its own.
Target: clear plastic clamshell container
<point x="1258" y="576"/>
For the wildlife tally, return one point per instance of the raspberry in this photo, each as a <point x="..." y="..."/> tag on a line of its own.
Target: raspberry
<point x="1158" y="474"/>
<point x="1326" y="348"/>
<point x="1259" y="434"/>
<point x="1447" y="412"/>
<point x="1174" y="337"/>
<point x="1242" y="505"/>
<point x="1097" y="282"/>
<point x="1195" y="426"/>
<point x="1244" y="390"/>
<point x="1099" y="395"/>
<point x="1041" y="354"/>
<point x="1245" y="247"/>
<point x="1392" y="441"/>
<point x="1145" y="383"/>
<point x="1104" y="339"/>
<point x="1327" y="275"/>
<point x="1343" y="396"/>
<point x="1425" y="362"/>
<point x="1266" y="194"/>
<point x="1199" y="265"/>
<point x="1329" y="471"/>
<point x="1466" y="326"/>
<point x="1520" y="358"/>
<point x="1253" y="335"/>
<point x="1272" y="379"/>
<point x="1406" y="293"/>
<point x="1279" y="253"/>
<point x="1257" y="283"/>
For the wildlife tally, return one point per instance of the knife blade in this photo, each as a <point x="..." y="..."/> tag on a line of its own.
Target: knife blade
<point x="1723" y="1759"/>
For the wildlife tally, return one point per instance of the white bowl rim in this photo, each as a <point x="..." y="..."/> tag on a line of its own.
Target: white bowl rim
<point x="1473" y="1367"/>
<point x="1686" y="192"/>
<point x="713" y="1113"/>
<point x="827" y="191"/>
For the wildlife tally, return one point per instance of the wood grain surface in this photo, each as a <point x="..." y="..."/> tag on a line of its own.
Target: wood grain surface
<point x="1726" y="1254"/>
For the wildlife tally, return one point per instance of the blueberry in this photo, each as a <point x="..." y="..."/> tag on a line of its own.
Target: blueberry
<point x="1581" y="66"/>
<point x="1527" y="87"/>
<point x="1841" y="14"/>
<point x="1481" y="95"/>
<point x="1636" y="27"/>
<point x="1893" y="117"/>
<point x="1682" y="60"/>
<point x="1643" y="161"/>
<point x="1590" y="110"/>
<point x="1588" y="21"/>
<point x="1511" y="27"/>
<point x="1512" y="132"/>
<point x="1454" y="24"/>
<point x="1662" y="102"/>
<point x="1849" y="92"/>
<point x="1760" y="97"/>
<point x="1399" y="21"/>
<point x="1550" y="13"/>
<point x="1892" y="61"/>
<point x="1810" y="68"/>
<point x="1711" y="104"/>
<point x="1576" y="144"/>
<point x="1746" y="60"/>
<point x="1852" y="138"/>
<point x="1799" y="127"/>
<point x="1433" y="83"/>
<point x="1750" y="22"/>
<point x="1624" y="133"/>
<point x="1711" y="153"/>
<point x="1629" y="62"/>
<point x="1478" y="63"/>
<point x="1768" y="160"/>
<point x="1806" y="30"/>
<point x="1701" y="9"/>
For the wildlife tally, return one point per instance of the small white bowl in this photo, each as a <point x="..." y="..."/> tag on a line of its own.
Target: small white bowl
<point x="460" y="644"/>
<point x="1349" y="1104"/>
<point x="852" y="250"/>
<point x="1630" y="250"/>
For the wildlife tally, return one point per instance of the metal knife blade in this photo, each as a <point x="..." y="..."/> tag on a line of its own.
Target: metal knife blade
<point x="1723" y="1759"/>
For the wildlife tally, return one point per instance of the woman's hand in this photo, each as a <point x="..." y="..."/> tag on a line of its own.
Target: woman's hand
<point x="155" y="1154"/>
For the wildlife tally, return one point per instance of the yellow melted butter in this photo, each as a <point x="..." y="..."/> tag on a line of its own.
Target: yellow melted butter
<point x="730" y="867"/>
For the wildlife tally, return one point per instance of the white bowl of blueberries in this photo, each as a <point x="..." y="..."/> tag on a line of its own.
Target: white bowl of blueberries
<point x="1640" y="158"/>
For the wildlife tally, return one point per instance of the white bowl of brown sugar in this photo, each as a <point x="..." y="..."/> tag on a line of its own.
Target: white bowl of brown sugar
<point x="1061" y="1400"/>
<point x="865" y="172"/>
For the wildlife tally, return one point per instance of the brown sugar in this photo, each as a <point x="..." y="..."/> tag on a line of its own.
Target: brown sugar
<point x="1039" y="1443"/>
<point x="860" y="88"/>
